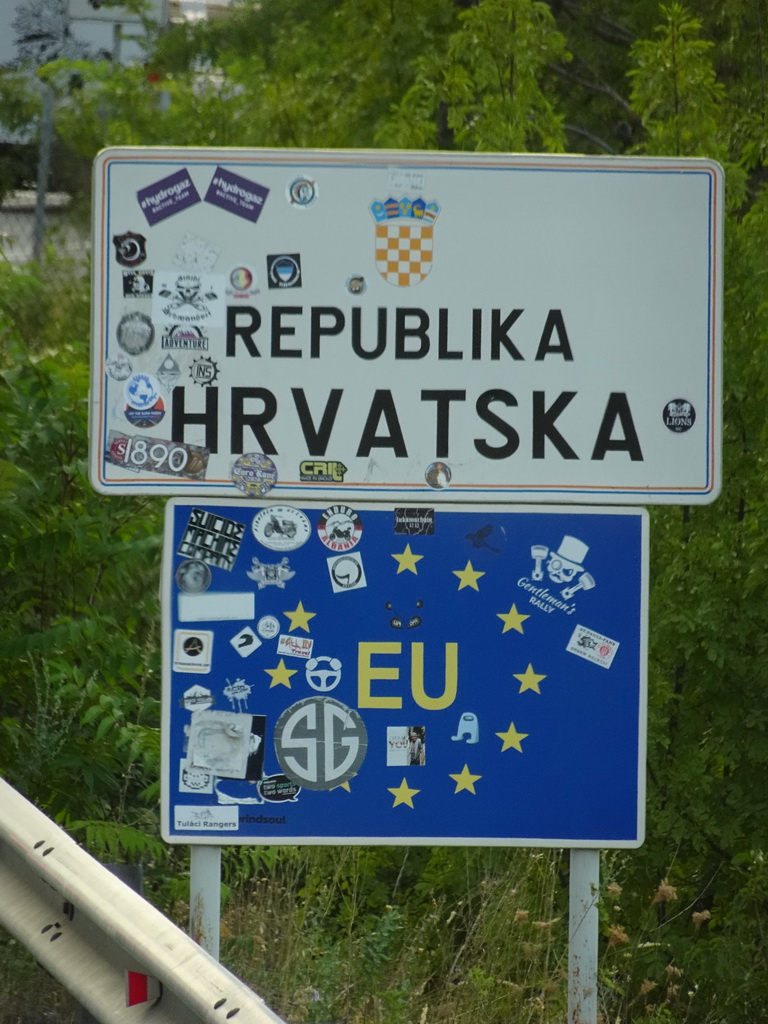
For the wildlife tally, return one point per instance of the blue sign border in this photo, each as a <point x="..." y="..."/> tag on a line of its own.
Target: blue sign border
<point x="524" y="706"/>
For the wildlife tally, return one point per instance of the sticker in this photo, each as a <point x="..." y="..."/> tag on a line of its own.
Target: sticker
<point x="135" y="333"/>
<point x="211" y="538"/>
<point x="302" y="192"/>
<point x="241" y="280"/>
<point x="404" y="237"/>
<point x="277" y="788"/>
<point x="415" y="521"/>
<point x="192" y="650"/>
<point x="195" y="253"/>
<point x="295" y="646"/>
<point x="193" y="576"/>
<point x="438" y="475"/>
<point x="186" y="337"/>
<point x="411" y="621"/>
<point x="168" y="196"/>
<point x="594" y="647"/>
<point x="130" y="249"/>
<point x="239" y="793"/>
<point x="268" y="627"/>
<point x="205" y="818"/>
<point x="406" y="179"/>
<point x="237" y="694"/>
<point x="145" y="418"/>
<point x="119" y="367"/>
<point x="468" y="728"/>
<point x="323" y="673"/>
<point x="194" y="780"/>
<point x="340" y="528"/>
<point x="168" y="372"/>
<point x="225" y="741"/>
<point x="240" y="196"/>
<point x="137" y="284"/>
<point x="245" y="642"/>
<point x="284" y="271"/>
<point x="254" y="474"/>
<point x="679" y="415"/>
<point x="322" y="471"/>
<point x="281" y="528"/>
<point x="142" y="391"/>
<point x="265" y="575"/>
<point x="216" y="607"/>
<point x="356" y="284"/>
<point x="406" y="745"/>
<point x="171" y="458"/>
<point x="197" y="698"/>
<point x="320" y="743"/>
<point x="204" y="371"/>
<point x="488" y="537"/>
<point x="346" y="572"/>
<point x="189" y="299"/>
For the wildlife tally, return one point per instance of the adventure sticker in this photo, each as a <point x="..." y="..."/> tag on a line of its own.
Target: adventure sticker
<point x="340" y="528"/>
<point x="281" y="527"/>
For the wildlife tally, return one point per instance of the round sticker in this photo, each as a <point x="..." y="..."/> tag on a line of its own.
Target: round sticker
<point x="438" y="475"/>
<point x="135" y="333"/>
<point x="193" y="576"/>
<point x="142" y="391"/>
<point x="281" y="528"/>
<point x="340" y="528"/>
<point x="320" y="743"/>
<point x="241" y="279"/>
<point x="254" y="474"/>
<point x="145" y="418"/>
<point x="679" y="415"/>
<point x="268" y="627"/>
<point x="302" y="192"/>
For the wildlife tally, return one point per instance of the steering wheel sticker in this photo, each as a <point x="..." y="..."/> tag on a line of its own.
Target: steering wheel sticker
<point x="323" y="673"/>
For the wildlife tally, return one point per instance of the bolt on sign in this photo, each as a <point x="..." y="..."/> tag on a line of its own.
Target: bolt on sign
<point x="454" y="674"/>
<point x="406" y="326"/>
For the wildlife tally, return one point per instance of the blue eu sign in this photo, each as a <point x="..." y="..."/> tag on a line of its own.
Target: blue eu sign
<point x="469" y="675"/>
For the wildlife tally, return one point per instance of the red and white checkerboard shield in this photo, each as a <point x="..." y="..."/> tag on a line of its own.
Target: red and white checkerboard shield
<point x="404" y="250"/>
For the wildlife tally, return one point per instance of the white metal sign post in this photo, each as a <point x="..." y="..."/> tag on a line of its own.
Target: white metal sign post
<point x="391" y="326"/>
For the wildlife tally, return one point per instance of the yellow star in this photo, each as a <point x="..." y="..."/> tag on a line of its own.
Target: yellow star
<point x="281" y="676"/>
<point x="513" y="619"/>
<point x="403" y="795"/>
<point x="530" y="680"/>
<point x="407" y="560"/>
<point x="468" y="576"/>
<point x="299" y="618"/>
<point x="511" y="738"/>
<point x="465" y="780"/>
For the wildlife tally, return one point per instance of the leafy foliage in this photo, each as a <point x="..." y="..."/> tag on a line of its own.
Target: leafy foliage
<point x="381" y="934"/>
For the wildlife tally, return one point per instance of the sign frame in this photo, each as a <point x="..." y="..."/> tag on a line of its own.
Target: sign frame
<point x="356" y="670"/>
<point x="522" y="365"/>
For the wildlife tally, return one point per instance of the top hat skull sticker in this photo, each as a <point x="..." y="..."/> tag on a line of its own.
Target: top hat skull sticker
<point x="565" y="565"/>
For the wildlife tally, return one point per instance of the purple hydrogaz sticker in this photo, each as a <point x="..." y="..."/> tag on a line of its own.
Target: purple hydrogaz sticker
<point x="236" y="194"/>
<point x="168" y="196"/>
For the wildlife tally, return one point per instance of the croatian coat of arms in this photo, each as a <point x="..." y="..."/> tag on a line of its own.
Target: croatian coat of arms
<point x="404" y="230"/>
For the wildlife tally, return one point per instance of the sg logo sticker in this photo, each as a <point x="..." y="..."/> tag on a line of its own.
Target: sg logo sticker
<point x="320" y="743"/>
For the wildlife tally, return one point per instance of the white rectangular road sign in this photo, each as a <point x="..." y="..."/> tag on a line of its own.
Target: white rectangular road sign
<point x="406" y="326"/>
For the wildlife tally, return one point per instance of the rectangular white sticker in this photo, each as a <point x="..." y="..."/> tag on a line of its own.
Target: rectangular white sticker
<point x="216" y="607"/>
<point x="208" y="818"/>
<point x="295" y="646"/>
<point x="594" y="647"/>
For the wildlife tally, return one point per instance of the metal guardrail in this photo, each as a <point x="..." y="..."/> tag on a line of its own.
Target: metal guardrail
<point x="121" y="958"/>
